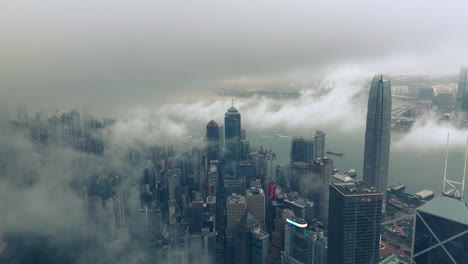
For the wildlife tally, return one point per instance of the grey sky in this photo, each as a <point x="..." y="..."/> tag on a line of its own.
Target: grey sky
<point x="110" y="54"/>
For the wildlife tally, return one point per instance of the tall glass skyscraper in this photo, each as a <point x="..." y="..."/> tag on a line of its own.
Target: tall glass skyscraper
<point x="213" y="140"/>
<point x="302" y="150"/>
<point x="354" y="222"/>
<point x="441" y="232"/>
<point x="232" y="130"/>
<point x="377" y="144"/>
<point x="462" y="95"/>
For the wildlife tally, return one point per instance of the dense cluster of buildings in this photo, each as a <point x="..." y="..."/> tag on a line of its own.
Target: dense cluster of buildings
<point x="218" y="203"/>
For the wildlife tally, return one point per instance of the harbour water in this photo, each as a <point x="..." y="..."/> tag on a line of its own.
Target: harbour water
<point x="418" y="169"/>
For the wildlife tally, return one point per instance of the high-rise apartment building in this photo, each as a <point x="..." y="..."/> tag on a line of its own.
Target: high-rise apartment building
<point x="355" y="215"/>
<point x="377" y="141"/>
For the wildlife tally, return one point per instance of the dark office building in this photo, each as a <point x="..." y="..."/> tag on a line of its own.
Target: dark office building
<point x="354" y="223"/>
<point x="377" y="144"/>
<point x="232" y="130"/>
<point x="243" y="238"/>
<point x="301" y="150"/>
<point x="441" y="232"/>
<point x="213" y="141"/>
<point x="260" y="246"/>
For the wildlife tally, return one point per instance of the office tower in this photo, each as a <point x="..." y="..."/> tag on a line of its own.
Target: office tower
<point x="232" y="187"/>
<point x="248" y="169"/>
<point x="196" y="209"/>
<point x="209" y="247"/>
<point x="277" y="236"/>
<point x="300" y="177"/>
<point x="256" y="204"/>
<point x="321" y="173"/>
<point x="319" y="144"/>
<point x="354" y="223"/>
<point x="302" y="150"/>
<point x="377" y="144"/>
<point x="236" y="207"/>
<point x="232" y="131"/>
<point x="302" y="244"/>
<point x="243" y="238"/>
<point x="462" y="95"/>
<point x="245" y="150"/>
<point x="441" y="232"/>
<point x="301" y="207"/>
<point x="213" y="141"/>
<point x="260" y="246"/>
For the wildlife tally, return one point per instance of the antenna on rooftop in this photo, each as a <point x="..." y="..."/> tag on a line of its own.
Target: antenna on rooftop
<point x="453" y="188"/>
<point x="464" y="170"/>
<point x="446" y="161"/>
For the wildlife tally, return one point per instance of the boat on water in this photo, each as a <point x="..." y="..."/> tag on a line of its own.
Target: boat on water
<point x="335" y="153"/>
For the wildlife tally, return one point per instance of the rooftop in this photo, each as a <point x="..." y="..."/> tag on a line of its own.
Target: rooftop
<point x="448" y="208"/>
<point x="254" y="191"/>
<point x="212" y="123"/>
<point x="355" y="188"/>
<point x="235" y="198"/>
<point x="342" y="177"/>
<point x="260" y="234"/>
<point x="391" y="259"/>
<point x="232" y="111"/>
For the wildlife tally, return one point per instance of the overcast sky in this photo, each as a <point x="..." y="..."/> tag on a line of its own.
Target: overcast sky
<point x="108" y="54"/>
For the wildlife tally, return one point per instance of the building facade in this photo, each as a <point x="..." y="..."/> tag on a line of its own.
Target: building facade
<point x="441" y="232"/>
<point x="354" y="222"/>
<point x="256" y="204"/>
<point x="462" y="95"/>
<point x="232" y="138"/>
<point x="377" y="139"/>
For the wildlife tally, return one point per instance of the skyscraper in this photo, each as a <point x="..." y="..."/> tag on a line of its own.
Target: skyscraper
<point x="354" y="222"/>
<point x="319" y="145"/>
<point x="260" y="246"/>
<point x="321" y="173"/>
<point x="301" y="150"/>
<point x="441" y="232"/>
<point x="256" y="204"/>
<point x="377" y="144"/>
<point x="302" y="244"/>
<point x="232" y="130"/>
<point x="236" y="207"/>
<point x="213" y="141"/>
<point x="462" y="95"/>
<point x="243" y="238"/>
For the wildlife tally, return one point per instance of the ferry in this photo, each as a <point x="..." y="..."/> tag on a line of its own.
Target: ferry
<point x="335" y="153"/>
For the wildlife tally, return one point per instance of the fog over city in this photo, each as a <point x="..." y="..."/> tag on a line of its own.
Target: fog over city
<point x="161" y="70"/>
